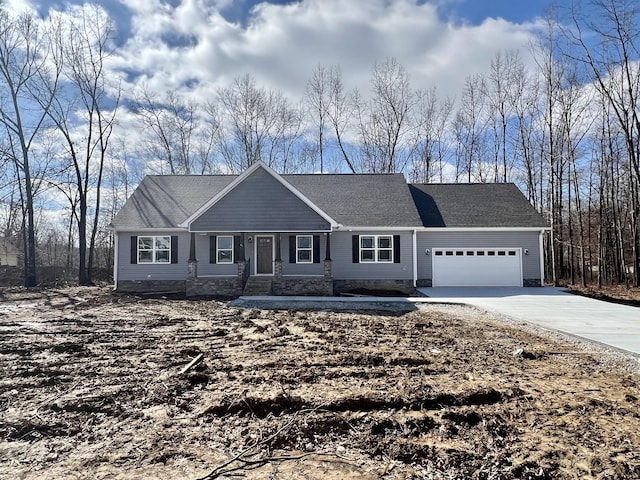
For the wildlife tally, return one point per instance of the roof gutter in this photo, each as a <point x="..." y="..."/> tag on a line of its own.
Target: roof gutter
<point x="483" y="229"/>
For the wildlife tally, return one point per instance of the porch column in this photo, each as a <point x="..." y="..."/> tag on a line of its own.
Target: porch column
<point x="328" y="273"/>
<point x="241" y="252"/>
<point x="277" y="264"/>
<point x="193" y="262"/>
<point x="327" y="255"/>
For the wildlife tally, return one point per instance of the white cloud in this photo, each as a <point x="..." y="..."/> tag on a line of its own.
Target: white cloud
<point x="282" y="44"/>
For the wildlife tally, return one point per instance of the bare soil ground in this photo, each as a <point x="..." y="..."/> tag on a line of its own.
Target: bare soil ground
<point x="609" y="293"/>
<point x="91" y="388"/>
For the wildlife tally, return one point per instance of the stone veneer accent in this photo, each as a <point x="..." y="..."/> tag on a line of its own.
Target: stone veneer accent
<point x="150" y="286"/>
<point x="346" y="286"/>
<point x="219" y="287"/>
<point x="424" y="282"/>
<point x="311" y="286"/>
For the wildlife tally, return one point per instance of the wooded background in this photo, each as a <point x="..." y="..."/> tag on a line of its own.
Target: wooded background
<point x="560" y="120"/>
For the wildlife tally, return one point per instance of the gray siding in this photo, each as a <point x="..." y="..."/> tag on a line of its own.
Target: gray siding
<point x="302" y="268"/>
<point x="152" y="272"/>
<point x="344" y="268"/>
<point x="202" y="255"/>
<point x="260" y="202"/>
<point x="523" y="240"/>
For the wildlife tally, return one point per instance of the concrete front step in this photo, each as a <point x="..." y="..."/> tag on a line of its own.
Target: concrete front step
<point x="258" y="286"/>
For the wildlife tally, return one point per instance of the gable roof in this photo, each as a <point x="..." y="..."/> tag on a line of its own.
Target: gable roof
<point x="474" y="205"/>
<point x="353" y="200"/>
<point x="252" y="170"/>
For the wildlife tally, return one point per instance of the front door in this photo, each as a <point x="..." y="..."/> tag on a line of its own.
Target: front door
<point x="264" y="254"/>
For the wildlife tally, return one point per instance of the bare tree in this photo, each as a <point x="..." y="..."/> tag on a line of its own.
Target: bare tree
<point x="613" y="66"/>
<point x="340" y="113"/>
<point x="83" y="41"/>
<point x="387" y="133"/>
<point x="24" y="106"/>
<point x="179" y="132"/>
<point x="433" y="145"/>
<point x="500" y="84"/>
<point x="318" y="97"/>
<point x="253" y="121"/>
<point x="470" y="128"/>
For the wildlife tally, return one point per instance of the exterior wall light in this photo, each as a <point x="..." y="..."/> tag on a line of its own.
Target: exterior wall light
<point x="526" y="251"/>
<point x="427" y="251"/>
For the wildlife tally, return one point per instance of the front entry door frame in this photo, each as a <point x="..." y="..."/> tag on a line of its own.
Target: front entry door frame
<point x="256" y="250"/>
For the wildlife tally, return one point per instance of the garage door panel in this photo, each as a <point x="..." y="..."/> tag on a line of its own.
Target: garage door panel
<point x="477" y="267"/>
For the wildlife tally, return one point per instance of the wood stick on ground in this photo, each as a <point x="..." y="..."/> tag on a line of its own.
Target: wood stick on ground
<point x="192" y="363"/>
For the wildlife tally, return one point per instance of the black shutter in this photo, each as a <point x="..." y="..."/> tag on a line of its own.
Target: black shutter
<point x="396" y="249"/>
<point x="236" y="248"/>
<point x="316" y="249"/>
<point x="355" y="248"/>
<point x="174" y="249"/>
<point x="213" y="258"/>
<point x="134" y="249"/>
<point x="292" y="249"/>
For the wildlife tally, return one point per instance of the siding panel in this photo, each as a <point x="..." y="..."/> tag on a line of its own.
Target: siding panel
<point x="151" y="271"/>
<point x="345" y="269"/>
<point x="301" y="268"/>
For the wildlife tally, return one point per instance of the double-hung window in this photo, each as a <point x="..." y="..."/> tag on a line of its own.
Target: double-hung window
<point x="304" y="249"/>
<point x="154" y="249"/>
<point x="224" y="249"/>
<point x="376" y="248"/>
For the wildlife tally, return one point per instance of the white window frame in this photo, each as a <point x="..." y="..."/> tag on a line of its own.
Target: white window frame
<point x="219" y="250"/>
<point x="155" y="251"/>
<point x="376" y="249"/>
<point x="304" y="249"/>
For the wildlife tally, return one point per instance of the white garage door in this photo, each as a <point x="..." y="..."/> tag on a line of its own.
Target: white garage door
<point x="477" y="267"/>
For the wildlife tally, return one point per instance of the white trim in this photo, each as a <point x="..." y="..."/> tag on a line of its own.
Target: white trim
<point x="483" y="229"/>
<point x="150" y="231"/>
<point x="310" y="249"/>
<point x="414" y="237"/>
<point x="115" y="260"/>
<point x="153" y="250"/>
<point x="258" y="231"/>
<point x="240" y="178"/>
<point x="342" y="228"/>
<point x="233" y="253"/>
<point x="376" y="248"/>
<point x="255" y="256"/>
<point x="541" y="242"/>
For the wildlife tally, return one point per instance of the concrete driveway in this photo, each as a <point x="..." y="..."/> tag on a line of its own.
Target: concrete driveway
<point x="609" y="323"/>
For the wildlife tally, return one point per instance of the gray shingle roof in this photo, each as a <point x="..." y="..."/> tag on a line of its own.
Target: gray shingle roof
<point x="474" y="205"/>
<point x="366" y="200"/>
<point x="165" y="201"/>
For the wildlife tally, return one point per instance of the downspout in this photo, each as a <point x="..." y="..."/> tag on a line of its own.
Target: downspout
<point x="541" y="246"/>
<point x="115" y="260"/>
<point x="415" y="258"/>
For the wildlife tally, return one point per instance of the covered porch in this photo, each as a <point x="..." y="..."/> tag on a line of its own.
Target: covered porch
<point x="229" y="264"/>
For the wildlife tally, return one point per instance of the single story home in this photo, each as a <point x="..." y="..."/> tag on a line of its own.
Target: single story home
<point x="264" y="233"/>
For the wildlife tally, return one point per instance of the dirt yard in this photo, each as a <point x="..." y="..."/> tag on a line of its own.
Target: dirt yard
<point x="91" y="388"/>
